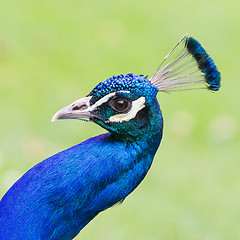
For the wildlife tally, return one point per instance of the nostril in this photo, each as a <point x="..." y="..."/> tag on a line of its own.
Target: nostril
<point x="82" y="107"/>
<point x="75" y="108"/>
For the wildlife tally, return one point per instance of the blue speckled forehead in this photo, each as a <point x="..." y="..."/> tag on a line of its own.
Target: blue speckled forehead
<point x="136" y="84"/>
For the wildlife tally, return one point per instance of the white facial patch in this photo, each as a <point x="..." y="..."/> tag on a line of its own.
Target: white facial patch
<point x="137" y="105"/>
<point x="103" y="100"/>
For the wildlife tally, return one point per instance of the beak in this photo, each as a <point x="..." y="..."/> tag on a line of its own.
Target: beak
<point x="78" y="110"/>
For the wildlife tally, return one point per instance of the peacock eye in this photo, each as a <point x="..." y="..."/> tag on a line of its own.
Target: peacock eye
<point x="120" y="105"/>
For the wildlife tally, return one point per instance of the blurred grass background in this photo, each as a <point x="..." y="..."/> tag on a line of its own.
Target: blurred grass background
<point x="54" y="52"/>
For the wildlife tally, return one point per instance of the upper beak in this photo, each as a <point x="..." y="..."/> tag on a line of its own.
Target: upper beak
<point x="78" y="110"/>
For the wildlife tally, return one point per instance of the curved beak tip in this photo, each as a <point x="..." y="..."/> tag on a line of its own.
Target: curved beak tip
<point x="54" y="118"/>
<point x="60" y="114"/>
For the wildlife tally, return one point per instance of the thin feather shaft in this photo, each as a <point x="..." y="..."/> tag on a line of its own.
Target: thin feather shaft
<point x="183" y="89"/>
<point x="169" y="66"/>
<point x="179" y="82"/>
<point x="180" y="70"/>
<point x="168" y="56"/>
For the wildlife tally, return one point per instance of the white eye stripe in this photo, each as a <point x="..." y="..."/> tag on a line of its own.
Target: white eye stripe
<point x="103" y="100"/>
<point x="137" y="105"/>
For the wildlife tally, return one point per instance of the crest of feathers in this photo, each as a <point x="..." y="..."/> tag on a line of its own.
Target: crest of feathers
<point x="187" y="66"/>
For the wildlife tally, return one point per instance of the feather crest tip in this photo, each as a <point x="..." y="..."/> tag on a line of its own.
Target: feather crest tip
<point x="187" y="66"/>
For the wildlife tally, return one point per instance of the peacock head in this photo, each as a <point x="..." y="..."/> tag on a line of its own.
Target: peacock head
<point x="126" y="105"/>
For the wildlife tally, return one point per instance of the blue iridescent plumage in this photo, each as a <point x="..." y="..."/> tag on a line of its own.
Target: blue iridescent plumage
<point x="56" y="198"/>
<point x="205" y="63"/>
<point x="59" y="196"/>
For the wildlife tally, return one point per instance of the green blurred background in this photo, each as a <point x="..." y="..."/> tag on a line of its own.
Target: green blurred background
<point x="53" y="52"/>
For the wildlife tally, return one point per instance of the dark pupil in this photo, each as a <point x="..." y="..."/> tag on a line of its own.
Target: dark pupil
<point x="121" y="105"/>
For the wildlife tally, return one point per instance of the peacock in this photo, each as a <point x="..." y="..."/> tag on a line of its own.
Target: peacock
<point x="60" y="195"/>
